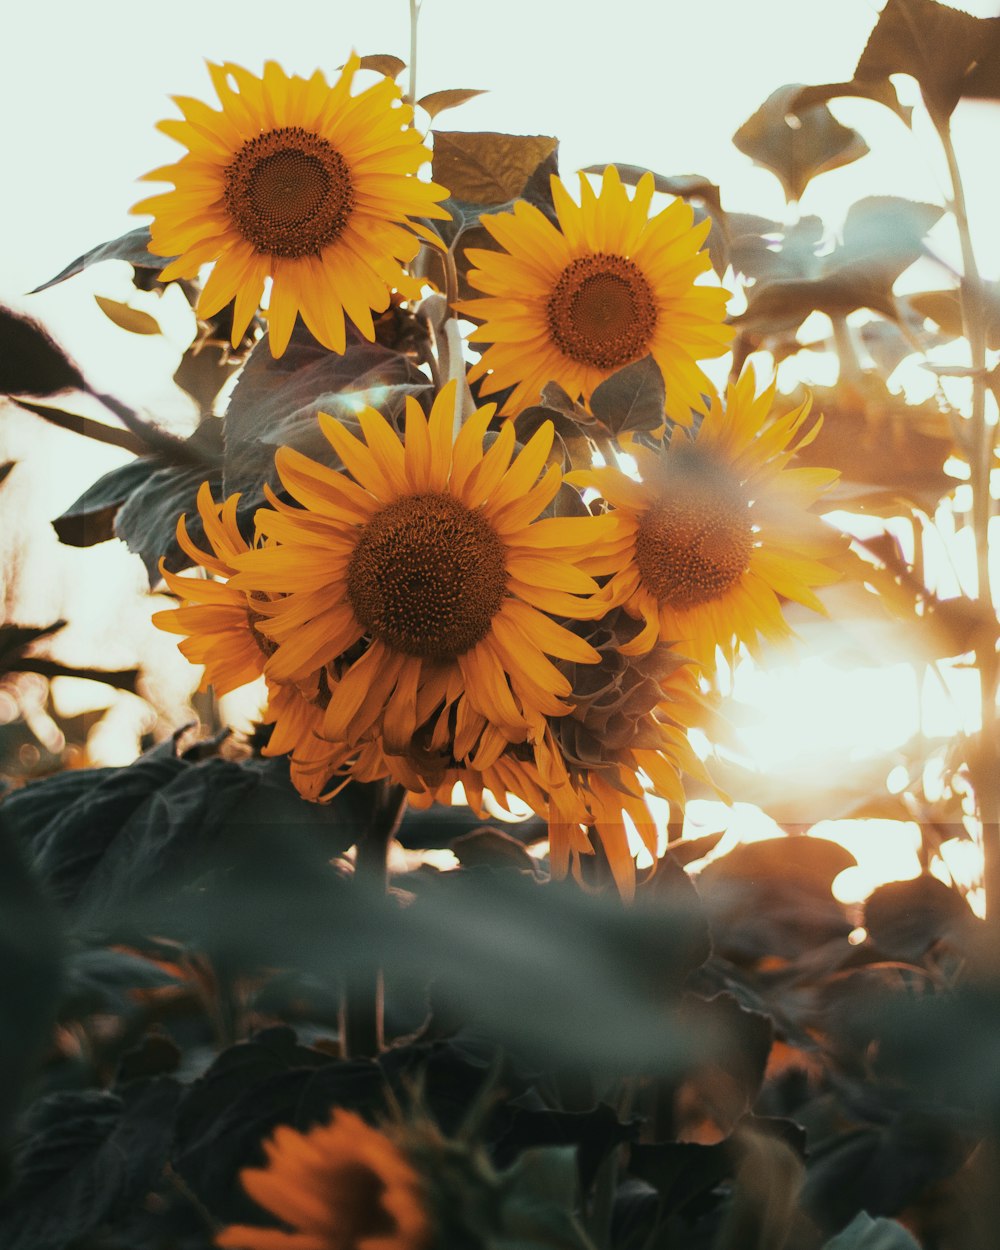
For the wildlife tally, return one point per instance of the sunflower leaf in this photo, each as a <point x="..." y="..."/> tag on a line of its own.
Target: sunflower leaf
<point x="484" y="167"/>
<point x="438" y="101"/>
<point x="276" y="402"/>
<point x="864" y="1233"/>
<point x="383" y="63"/>
<point x="86" y="1157"/>
<point x="30" y="361"/>
<point x="632" y="399"/>
<point x="127" y="318"/>
<point x="796" y="147"/>
<point x="30" y="958"/>
<point x="950" y="53"/>
<point x="882" y="92"/>
<point x="131" y="247"/>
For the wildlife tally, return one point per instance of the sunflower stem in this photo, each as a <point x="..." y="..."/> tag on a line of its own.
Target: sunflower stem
<point x="984" y="768"/>
<point x="411" y="91"/>
<point x="361" y="1010"/>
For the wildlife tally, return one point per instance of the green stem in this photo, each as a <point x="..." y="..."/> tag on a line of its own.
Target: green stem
<point x="361" y="1014"/>
<point x="981" y="458"/>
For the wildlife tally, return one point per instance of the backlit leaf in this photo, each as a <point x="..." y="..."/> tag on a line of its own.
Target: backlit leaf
<point x="438" y="101"/>
<point x="794" y="146"/>
<point x="126" y="318"/>
<point x="383" y="63"/>
<point x="950" y="53"/>
<point x="486" y="167"/>
<point x="131" y="247"/>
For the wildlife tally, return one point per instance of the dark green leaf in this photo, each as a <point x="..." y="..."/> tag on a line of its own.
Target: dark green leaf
<point x="30" y="959"/>
<point x="631" y="399"/>
<point x="86" y="1158"/>
<point x="147" y="520"/>
<point x="275" y="403"/>
<point x="104" y="980"/>
<point x="539" y="1194"/>
<point x="30" y="362"/>
<point x="950" y="53"/>
<point x="864" y="1233"/>
<point x="131" y="247"/>
<point x="90" y="519"/>
<point x="906" y="918"/>
<point x="794" y="146"/>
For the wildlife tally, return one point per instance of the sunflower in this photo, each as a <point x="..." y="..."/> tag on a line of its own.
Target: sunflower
<point x="421" y="580"/>
<point x="299" y="182"/>
<point x="611" y="285"/>
<point x="217" y="621"/>
<point x="341" y="1186"/>
<point x="721" y="528"/>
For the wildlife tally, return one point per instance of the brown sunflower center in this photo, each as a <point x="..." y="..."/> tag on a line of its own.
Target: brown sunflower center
<point x="289" y="192"/>
<point x="428" y="576"/>
<point x="355" y="1194"/>
<point x="601" y="311"/>
<point x="695" y="544"/>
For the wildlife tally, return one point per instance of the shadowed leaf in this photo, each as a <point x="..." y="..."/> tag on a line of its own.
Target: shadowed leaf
<point x="484" y="167"/>
<point x="86" y="1157"/>
<point x="31" y="948"/>
<point x="796" y="147"/>
<point x="632" y="399"/>
<point x="951" y="54"/>
<point x="864" y="1233"/>
<point x="880" y="92"/>
<point x="30" y="361"/>
<point x="131" y="247"/>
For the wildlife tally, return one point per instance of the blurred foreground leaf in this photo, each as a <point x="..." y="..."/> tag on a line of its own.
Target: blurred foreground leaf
<point x="131" y="247"/>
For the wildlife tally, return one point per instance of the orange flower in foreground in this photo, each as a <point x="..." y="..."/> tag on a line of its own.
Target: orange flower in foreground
<point x="341" y="1186"/>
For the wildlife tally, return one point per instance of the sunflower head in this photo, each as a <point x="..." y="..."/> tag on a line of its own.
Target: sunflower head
<point x="300" y="182"/>
<point x="610" y="285"/>
<point x="341" y="1186"/>
<point x="217" y="621"/>
<point x="724" y="527"/>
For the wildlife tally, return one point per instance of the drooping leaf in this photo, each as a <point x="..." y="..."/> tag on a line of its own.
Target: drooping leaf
<point x="438" y="101"/>
<point x="86" y="1158"/>
<point x="90" y="519"/>
<point x="950" y="53"/>
<point x="127" y="318"/>
<point x="97" y="430"/>
<point x="484" y="167"/>
<point x="146" y="521"/>
<point x="944" y="308"/>
<point x="383" y="63"/>
<point x="880" y="92"/>
<point x="30" y="361"/>
<point x="797" y="146"/>
<point x="632" y="398"/>
<point x="131" y="247"/>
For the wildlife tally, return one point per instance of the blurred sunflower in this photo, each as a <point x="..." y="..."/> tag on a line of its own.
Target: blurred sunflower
<point x="217" y="621"/>
<point x="611" y="285"/>
<point x="428" y="553"/>
<point x="721" y="528"/>
<point x="299" y="182"/>
<point x="341" y="1186"/>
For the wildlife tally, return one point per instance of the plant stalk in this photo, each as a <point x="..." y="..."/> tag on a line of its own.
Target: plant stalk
<point x="411" y="91"/>
<point x="361" y="1011"/>
<point x="984" y="767"/>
